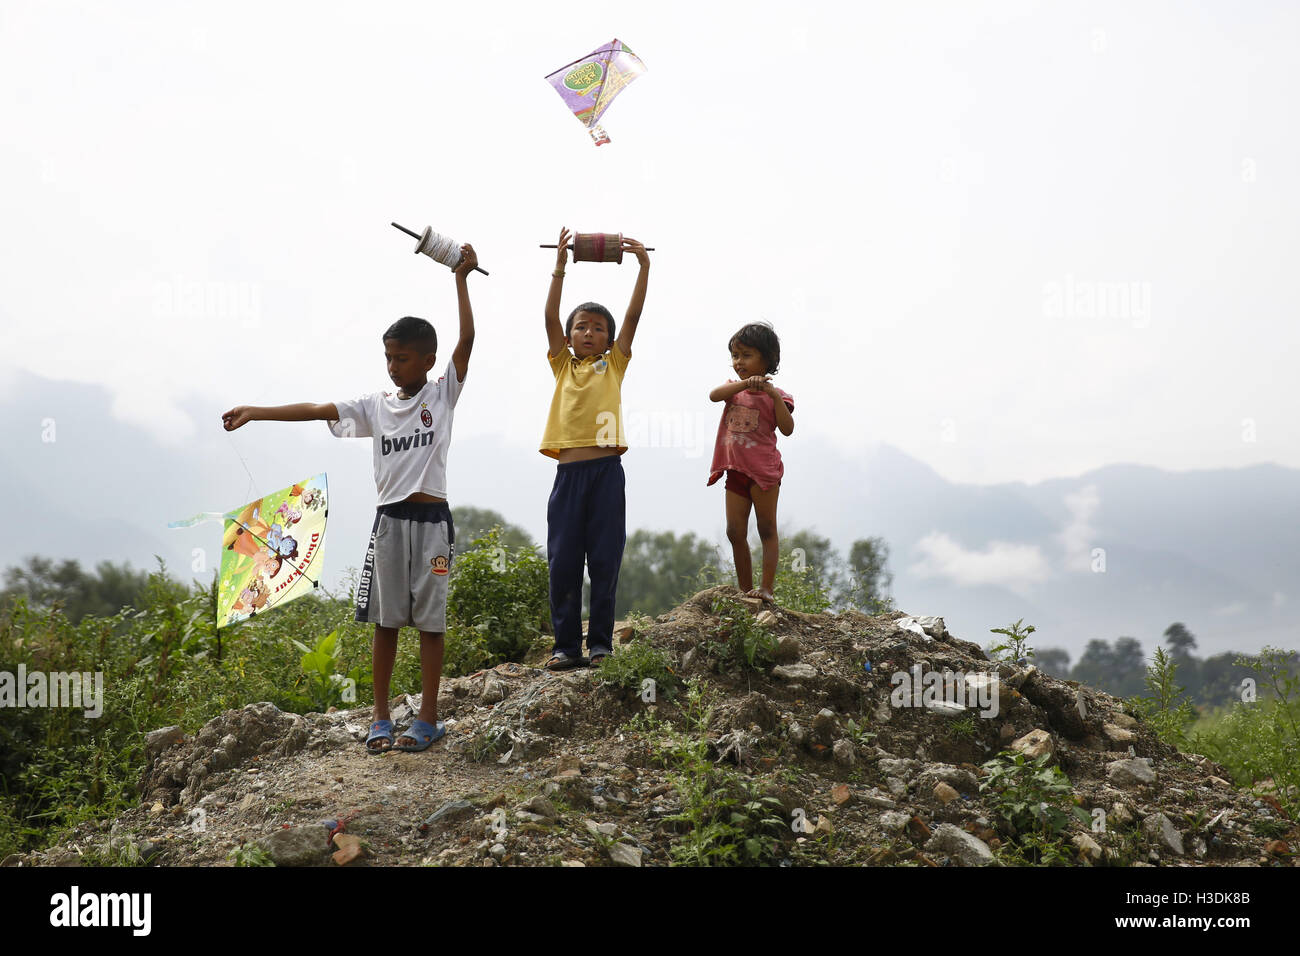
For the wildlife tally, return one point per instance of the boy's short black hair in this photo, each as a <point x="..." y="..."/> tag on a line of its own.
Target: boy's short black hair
<point x="594" y="307"/>
<point x="408" y="330"/>
<point x="760" y="336"/>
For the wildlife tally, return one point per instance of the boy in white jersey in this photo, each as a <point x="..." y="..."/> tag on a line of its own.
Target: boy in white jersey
<point x="404" y="581"/>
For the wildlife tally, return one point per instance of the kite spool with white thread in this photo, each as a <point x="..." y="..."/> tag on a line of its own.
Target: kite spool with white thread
<point x="437" y="247"/>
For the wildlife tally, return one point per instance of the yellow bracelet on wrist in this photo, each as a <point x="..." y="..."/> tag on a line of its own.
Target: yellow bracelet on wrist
<point x="557" y="274"/>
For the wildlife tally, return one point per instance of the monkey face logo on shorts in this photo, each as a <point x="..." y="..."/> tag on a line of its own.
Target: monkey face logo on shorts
<point x="438" y="565"/>
<point x="426" y="417"/>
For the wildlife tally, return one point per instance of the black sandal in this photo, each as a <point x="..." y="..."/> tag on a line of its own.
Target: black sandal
<point x="563" y="662"/>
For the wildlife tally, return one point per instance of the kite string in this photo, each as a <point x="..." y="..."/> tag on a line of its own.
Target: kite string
<point x="441" y="248"/>
<point x="251" y="483"/>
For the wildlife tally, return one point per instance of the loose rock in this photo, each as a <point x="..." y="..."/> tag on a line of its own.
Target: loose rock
<point x="1135" y="771"/>
<point x="1158" y="827"/>
<point x="966" y="848"/>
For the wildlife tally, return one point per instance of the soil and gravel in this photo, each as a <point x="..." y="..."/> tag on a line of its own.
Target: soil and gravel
<point x="543" y="769"/>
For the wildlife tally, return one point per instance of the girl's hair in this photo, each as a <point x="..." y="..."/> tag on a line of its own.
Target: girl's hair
<point x="409" y="330"/>
<point x="595" y="308"/>
<point x="760" y="336"/>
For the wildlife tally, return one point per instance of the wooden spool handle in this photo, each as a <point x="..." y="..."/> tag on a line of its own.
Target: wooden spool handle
<point x="416" y="237"/>
<point x="570" y="246"/>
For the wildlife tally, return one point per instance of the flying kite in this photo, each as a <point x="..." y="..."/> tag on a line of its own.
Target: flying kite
<point x="271" y="549"/>
<point x="590" y="84"/>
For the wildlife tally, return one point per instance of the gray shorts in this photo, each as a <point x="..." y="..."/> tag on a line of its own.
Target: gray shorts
<point x="404" y="580"/>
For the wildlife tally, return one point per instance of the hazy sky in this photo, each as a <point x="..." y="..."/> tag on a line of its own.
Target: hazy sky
<point x="1015" y="240"/>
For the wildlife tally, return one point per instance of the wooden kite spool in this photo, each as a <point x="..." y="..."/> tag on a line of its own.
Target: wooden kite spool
<point x="597" y="247"/>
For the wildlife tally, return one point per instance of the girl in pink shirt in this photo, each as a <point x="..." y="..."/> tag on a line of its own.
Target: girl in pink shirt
<point x="746" y="449"/>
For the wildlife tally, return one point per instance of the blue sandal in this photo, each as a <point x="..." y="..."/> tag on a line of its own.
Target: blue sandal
<point x="380" y="730"/>
<point x="423" y="733"/>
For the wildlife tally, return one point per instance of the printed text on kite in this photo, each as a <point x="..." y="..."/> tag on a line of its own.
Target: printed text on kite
<point x="589" y="85"/>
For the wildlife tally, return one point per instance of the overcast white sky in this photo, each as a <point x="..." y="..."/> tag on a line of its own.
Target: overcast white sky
<point x="1015" y="240"/>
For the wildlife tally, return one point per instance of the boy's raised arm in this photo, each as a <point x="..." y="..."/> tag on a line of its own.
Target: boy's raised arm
<point x="554" y="330"/>
<point x="301" y="412"/>
<point x="637" y="302"/>
<point x="465" y="344"/>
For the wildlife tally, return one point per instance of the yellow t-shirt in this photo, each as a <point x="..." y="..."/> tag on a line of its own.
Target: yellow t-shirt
<point x="587" y="407"/>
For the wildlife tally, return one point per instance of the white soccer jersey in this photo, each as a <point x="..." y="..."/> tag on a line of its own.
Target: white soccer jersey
<point x="411" y="436"/>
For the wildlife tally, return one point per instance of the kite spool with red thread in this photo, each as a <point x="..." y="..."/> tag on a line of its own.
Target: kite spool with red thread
<point x="598" y="247"/>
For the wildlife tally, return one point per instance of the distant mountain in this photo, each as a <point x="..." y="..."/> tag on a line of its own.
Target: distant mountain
<point x="1218" y="550"/>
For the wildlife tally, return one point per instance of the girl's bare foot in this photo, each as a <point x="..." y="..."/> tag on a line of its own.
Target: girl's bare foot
<point x="760" y="593"/>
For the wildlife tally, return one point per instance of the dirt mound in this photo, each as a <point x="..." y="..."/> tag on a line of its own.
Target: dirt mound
<point x="862" y="740"/>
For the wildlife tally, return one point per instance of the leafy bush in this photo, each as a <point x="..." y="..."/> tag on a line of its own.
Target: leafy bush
<point x="1260" y="739"/>
<point x="499" y="601"/>
<point x="161" y="664"/>
<point x="800" y="587"/>
<point x="1033" y="800"/>
<point x="325" y="687"/>
<point x="634" y="664"/>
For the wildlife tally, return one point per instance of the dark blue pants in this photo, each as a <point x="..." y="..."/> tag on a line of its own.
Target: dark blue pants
<point x="586" y="522"/>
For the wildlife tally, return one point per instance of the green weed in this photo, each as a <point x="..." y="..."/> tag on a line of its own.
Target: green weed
<point x="636" y="663"/>
<point x="249" y="854"/>
<point x="729" y="820"/>
<point x="1034" y="801"/>
<point x="1015" y="647"/>
<point x="739" y="638"/>
<point x="1167" y="710"/>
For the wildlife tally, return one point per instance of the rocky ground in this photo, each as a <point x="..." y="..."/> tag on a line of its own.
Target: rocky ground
<point x="543" y="769"/>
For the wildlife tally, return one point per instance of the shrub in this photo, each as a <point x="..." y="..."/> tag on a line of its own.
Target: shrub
<point x="730" y="820"/>
<point x="499" y="602"/>
<point x="1167" y="710"/>
<point x="634" y="664"/>
<point x="1032" y="798"/>
<point x="1260" y="739"/>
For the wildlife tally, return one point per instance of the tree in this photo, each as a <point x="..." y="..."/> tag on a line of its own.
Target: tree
<point x="1130" y="667"/>
<point x="1118" y="670"/>
<point x="658" y="566"/>
<point x="1221" y="679"/>
<point x="474" y="523"/>
<point x="1095" y="665"/>
<point x="1054" y="661"/>
<point x="44" y="583"/>
<point x="1181" y="643"/>
<point x="869" y="577"/>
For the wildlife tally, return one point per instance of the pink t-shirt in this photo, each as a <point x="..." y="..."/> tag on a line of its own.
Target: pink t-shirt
<point x="747" y="438"/>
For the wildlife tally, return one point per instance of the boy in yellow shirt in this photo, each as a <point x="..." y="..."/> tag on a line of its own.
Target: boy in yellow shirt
<point x="586" y="516"/>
